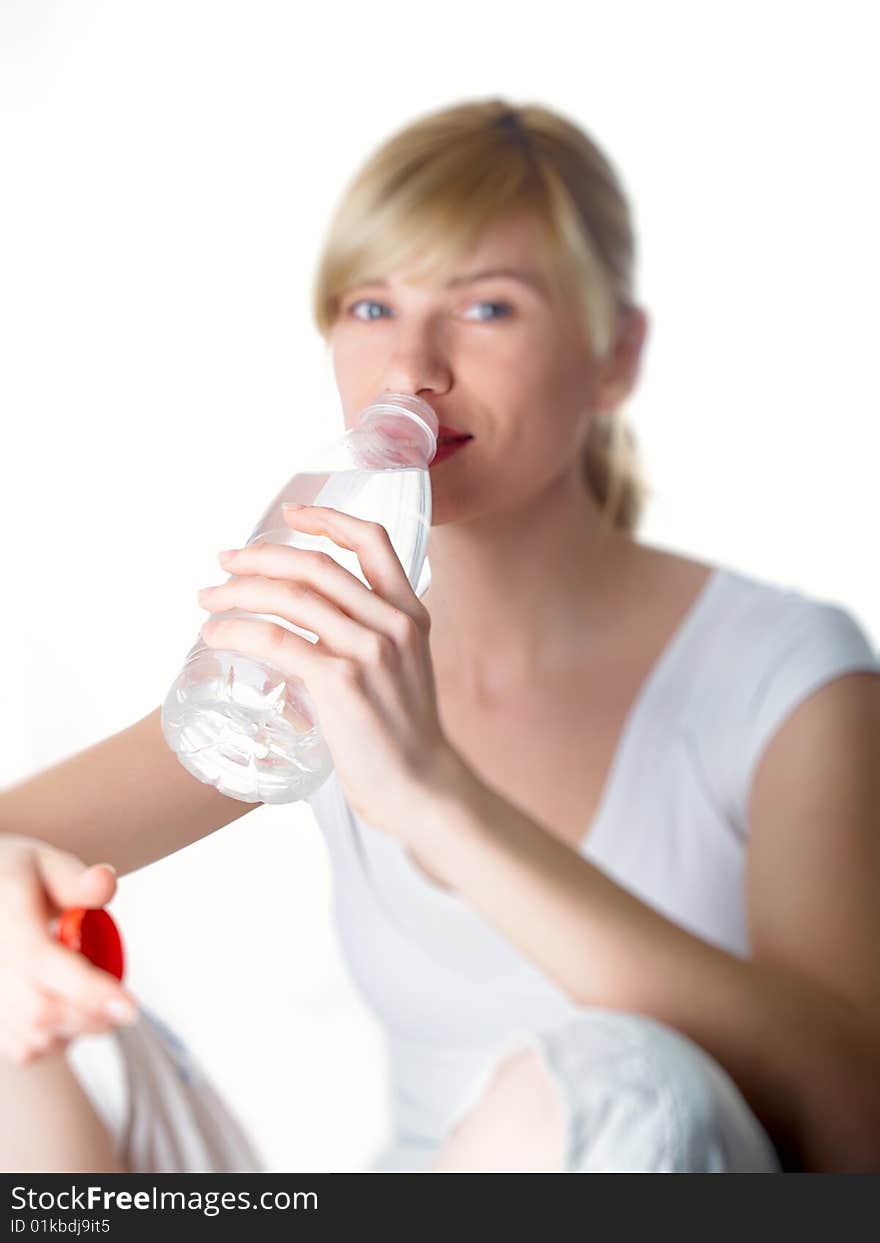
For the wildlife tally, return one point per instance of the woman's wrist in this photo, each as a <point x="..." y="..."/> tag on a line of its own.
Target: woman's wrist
<point x="448" y="813"/>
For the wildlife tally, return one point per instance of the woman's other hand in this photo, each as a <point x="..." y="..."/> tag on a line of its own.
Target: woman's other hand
<point x="49" y="993"/>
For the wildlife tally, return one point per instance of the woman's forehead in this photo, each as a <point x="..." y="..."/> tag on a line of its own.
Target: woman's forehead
<point x="517" y="250"/>
<point x="509" y="243"/>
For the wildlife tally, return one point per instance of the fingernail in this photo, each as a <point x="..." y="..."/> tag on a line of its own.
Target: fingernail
<point x="122" y="1010"/>
<point x="107" y="865"/>
<point x="293" y="505"/>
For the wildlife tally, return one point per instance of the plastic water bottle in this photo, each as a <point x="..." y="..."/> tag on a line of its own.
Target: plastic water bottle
<point x="238" y="723"/>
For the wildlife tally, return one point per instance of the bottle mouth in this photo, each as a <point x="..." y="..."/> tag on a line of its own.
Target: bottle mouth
<point x="408" y="404"/>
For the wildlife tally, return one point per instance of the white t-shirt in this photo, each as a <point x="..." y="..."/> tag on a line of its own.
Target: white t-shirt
<point x="671" y="828"/>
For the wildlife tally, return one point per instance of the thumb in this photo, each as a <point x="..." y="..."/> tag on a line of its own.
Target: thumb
<point x="70" y="882"/>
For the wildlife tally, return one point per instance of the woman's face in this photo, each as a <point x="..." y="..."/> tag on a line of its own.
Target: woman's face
<point x="495" y="356"/>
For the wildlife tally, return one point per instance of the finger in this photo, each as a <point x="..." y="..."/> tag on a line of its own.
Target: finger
<point x="310" y="566"/>
<point x="72" y="977"/>
<point x="289" y="653"/>
<point x="304" y="606"/>
<point x="370" y="540"/>
<point x="25" y="1050"/>
<point x="56" y="1044"/>
<point x="30" y="1012"/>
<point x="68" y="1022"/>
<point x="18" y="1050"/>
<point x="72" y="1022"/>
<point x="42" y="1015"/>
<point x="82" y="1023"/>
<point x="70" y="882"/>
<point x="45" y="886"/>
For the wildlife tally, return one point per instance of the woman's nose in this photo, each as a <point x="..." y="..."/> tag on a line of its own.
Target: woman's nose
<point x="418" y="366"/>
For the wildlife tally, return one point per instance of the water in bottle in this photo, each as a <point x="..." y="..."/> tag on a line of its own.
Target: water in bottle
<point x="238" y="723"/>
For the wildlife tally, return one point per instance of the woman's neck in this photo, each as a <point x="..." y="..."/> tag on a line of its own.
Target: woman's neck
<point x="518" y="594"/>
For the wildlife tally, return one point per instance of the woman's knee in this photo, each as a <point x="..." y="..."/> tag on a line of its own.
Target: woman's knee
<point x="642" y="1096"/>
<point x="512" y="1122"/>
<point x="52" y="1124"/>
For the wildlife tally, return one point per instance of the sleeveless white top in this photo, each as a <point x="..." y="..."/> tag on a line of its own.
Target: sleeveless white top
<point x="671" y="827"/>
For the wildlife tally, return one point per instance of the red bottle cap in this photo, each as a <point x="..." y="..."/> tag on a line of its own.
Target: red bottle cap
<point x="91" y="931"/>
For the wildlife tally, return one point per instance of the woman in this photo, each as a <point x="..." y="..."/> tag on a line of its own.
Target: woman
<point x="606" y="870"/>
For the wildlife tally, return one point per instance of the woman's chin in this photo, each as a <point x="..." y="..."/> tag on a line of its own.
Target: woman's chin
<point x="446" y="507"/>
<point x="443" y="509"/>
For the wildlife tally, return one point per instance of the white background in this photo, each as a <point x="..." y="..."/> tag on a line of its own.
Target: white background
<point x="167" y="171"/>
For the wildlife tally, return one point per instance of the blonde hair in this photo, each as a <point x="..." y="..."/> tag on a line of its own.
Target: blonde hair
<point x="426" y="195"/>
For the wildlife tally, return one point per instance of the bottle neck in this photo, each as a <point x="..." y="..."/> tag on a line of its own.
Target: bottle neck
<point x="406" y="428"/>
<point x="389" y="440"/>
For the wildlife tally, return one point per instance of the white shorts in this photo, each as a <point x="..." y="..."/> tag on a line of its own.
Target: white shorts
<point x="163" y="1113"/>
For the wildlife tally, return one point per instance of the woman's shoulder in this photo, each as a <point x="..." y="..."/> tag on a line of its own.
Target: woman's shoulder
<point x="763" y="647"/>
<point x="793" y="622"/>
<point x="756" y="606"/>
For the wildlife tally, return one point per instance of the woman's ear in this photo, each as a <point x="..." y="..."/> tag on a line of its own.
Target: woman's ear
<point x="621" y="368"/>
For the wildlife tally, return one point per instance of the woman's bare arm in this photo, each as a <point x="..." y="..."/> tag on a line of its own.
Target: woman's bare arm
<point x="797" y="1024"/>
<point x="126" y="800"/>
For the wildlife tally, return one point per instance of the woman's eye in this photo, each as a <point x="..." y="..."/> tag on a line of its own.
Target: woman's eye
<point x="365" y="302"/>
<point x="505" y="307"/>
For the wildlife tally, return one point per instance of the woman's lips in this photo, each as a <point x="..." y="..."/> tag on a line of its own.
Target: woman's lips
<point x="447" y="447"/>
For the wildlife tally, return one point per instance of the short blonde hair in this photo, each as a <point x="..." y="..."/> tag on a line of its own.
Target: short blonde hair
<point x="426" y="195"/>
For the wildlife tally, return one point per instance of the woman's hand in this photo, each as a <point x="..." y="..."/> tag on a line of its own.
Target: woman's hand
<point x="48" y="993"/>
<point x="370" y="674"/>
